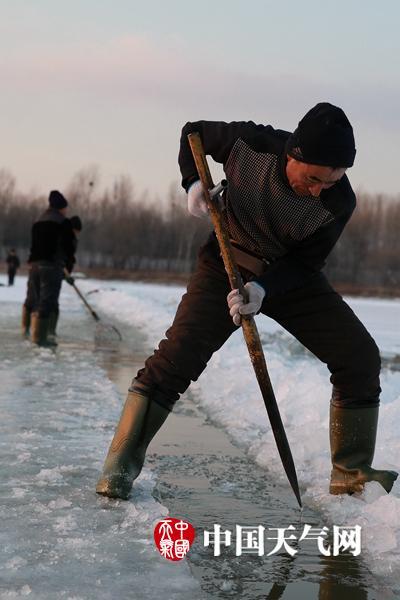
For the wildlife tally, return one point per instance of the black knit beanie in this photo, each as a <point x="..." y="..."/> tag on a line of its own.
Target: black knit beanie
<point x="57" y="200"/>
<point x="324" y="137"/>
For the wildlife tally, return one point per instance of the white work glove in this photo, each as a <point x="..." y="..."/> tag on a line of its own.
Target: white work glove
<point x="197" y="205"/>
<point x="237" y="306"/>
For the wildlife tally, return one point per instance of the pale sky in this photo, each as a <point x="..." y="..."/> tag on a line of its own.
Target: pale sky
<point x="111" y="83"/>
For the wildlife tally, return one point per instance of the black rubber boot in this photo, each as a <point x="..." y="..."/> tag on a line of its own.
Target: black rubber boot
<point x="51" y="329"/>
<point x="25" y="321"/>
<point x="352" y="437"/>
<point x="140" y="420"/>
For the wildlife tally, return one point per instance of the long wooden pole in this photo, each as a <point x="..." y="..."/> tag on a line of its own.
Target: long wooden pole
<point x="249" y="327"/>
<point x="90" y="309"/>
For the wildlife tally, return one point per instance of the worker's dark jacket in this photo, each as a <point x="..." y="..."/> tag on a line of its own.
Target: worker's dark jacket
<point x="53" y="239"/>
<point x="263" y="214"/>
<point x="52" y="249"/>
<point x="13" y="263"/>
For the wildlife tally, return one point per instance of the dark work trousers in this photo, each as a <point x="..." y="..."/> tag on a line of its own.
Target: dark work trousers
<point x="11" y="276"/>
<point x="44" y="286"/>
<point x="315" y="314"/>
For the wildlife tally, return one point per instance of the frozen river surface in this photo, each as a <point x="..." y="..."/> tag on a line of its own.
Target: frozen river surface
<point x="58" y="539"/>
<point x="58" y="412"/>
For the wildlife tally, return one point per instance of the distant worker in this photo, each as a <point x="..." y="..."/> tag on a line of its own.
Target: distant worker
<point x="52" y="249"/>
<point x="76" y="225"/>
<point x="13" y="264"/>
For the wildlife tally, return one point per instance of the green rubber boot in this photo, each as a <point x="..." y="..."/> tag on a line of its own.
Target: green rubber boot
<point x="352" y="438"/>
<point x="25" y="321"/>
<point x="140" y="420"/>
<point x="39" y="330"/>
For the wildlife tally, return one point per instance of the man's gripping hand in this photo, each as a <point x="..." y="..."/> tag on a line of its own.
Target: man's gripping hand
<point x="197" y="205"/>
<point x="69" y="279"/>
<point x="238" y="307"/>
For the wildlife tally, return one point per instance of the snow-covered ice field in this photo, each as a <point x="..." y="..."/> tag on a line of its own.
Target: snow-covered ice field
<point x="46" y="447"/>
<point x="228" y="392"/>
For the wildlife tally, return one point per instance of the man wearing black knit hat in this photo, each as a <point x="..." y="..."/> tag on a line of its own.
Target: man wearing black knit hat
<point x="286" y="204"/>
<point x="76" y="225"/>
<point x="52" y="247"/>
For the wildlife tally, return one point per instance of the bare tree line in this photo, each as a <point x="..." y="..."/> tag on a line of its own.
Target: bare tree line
<point x="367" y="254"/>
<point x="121" y="229"/>
<point x="125" y="230"/>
